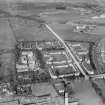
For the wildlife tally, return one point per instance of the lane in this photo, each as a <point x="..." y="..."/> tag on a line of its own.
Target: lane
<point x="68" y="50"/>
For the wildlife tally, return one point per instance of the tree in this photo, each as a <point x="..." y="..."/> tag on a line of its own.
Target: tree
<point x="40" y="59"/>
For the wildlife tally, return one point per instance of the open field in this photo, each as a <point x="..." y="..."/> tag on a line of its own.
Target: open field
<point x="7" y="41"/>
<point x="86" y="93"/>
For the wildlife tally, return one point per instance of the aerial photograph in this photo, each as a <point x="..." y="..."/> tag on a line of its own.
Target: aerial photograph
<point x="52" y="52"/>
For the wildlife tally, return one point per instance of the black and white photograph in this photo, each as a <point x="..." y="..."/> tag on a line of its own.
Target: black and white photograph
<point x="52" y="52"/>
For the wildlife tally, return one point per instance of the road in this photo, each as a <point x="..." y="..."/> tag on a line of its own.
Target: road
<point x="68" y="50"/>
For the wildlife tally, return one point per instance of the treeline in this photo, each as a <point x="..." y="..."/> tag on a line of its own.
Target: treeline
<point x="40" y="59"/>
